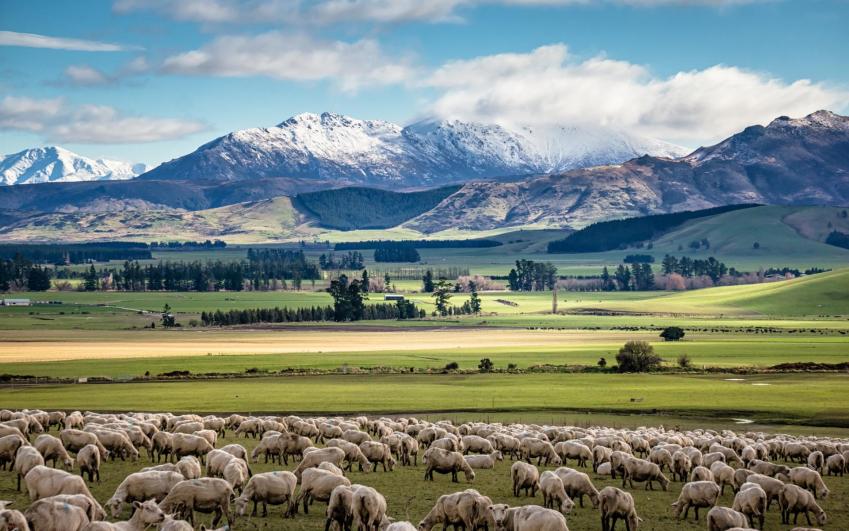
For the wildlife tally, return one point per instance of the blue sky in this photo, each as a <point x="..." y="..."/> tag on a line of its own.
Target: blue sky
<point x="149" y="80"/>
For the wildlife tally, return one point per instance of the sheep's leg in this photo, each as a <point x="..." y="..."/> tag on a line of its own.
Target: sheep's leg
<point x="264" y="508"/>
<point x="807" y="517"/>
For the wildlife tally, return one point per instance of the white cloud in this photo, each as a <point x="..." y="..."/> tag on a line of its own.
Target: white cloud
<point x="215" y="11"/>
<point x="32" y="40"/>
<point x="547" y="87"/>
<point x="89" y="124"/>
<point x="86" y="75"/>
<point x="330" y="11"/>
<point x="293" y="57"/>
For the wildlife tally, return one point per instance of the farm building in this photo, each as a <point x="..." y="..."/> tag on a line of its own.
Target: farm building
<point x="15" y="302"/>
<point x="393" y="297"/>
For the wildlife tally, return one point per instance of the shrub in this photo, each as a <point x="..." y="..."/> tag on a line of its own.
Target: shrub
<point x="637" y="356"/>
<point x="512" y="366"/>
<point x="684" y="361"/>
<point x="672" y="333"/>
<point x="453" y="366"/>
<point x="486" y="365"/>
<point x="602" y="363"/>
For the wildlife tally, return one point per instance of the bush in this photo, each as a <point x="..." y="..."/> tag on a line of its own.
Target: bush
<point x="602" y="363"/>
<point x="453" y="366"/>
<point x="637" y="356"/>
<point x="684" y="361"/>
<point x="672" y="333"/>
<point x="486" y="365"/>
<point x="512" y="366"/>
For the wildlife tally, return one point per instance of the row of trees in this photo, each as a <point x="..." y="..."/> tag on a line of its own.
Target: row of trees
<point x="399" y="310"/>
<point x="351" y="260"/>
<point x="637" y="277"/>
<point x="532" y="276"/>
<point x="396" y="254"/>
<point x="20" y="273"/>
<point x="689" y="267"/>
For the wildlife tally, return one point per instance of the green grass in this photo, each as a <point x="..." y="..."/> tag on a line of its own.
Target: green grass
<point x="409" y="497"/>
<point x="793" y="398"/>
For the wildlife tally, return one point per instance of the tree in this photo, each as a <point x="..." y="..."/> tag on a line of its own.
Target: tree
<point x="168" y="320"/>
<point x="387" y="280"/>
<point x="486" y="365"/>
<point x="427" y="281"/>
<point x="90" y="279"/>
<point x="672" y="333"/>
<point x="602" y="363"/>
<point x="637" y="356"/>
<point x="38" y="279"/>
<point x="441" y="295"/>
<point x="365" y="281"/>
<point x="513" y="280"/>
<point x="684" y="361"/>
<point x="348" y="299"/>
<point x="474" y="299"/>
<point x="756" y="245"/>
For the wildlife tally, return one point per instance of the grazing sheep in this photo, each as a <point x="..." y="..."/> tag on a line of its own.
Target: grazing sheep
<point x="183" y="444"/>
<point x="751" y="501"/>
<point x="340" y="508"/>
<point x="713" y="457"/>
<point x="553" y="491"/>
<point x="661" y="458"/>
<point x="467" y="509"/>
<point x="444" y="462"/>
<point x="93" y="510"/>
<point x="52" y="450"/>
<point x="601" y="455"/>
<point x="236" y="450"/>
<point x="577" y="485"/>
<point x="318" y="456"/>
<point x="144" y="515"/>
<point x="835" y="465"/>
<point x="766" y="468"/>
<point x="700" y="473"/>
<point x="26" y="459"/>
<point x="118" y="444"/>
<point x="142" y="486"/>
<point x="162" y="445"/>
<point x="723" y="475"/>
<point x="205" y="495"/>
<point x="681" y="466"/>
<point x="724" y="518"/>
<point x="527" y="517"/>
<point x="798" y="452"/>
<point x="9" y="446"/>
<point x="531" y="447"/>
<point x="75" y="440"/>
<point x="378" y="453"/>
<point x="484" y="461"/>
<point x="236" y="473"/>
<point x="56" y="516"/>
<point x="11" y="519"/>
<point x="525" y="476"/>
<point x="696" y="494"/>
<point x="794" y="499"/>
<point x="369" y="508"/>
<point x="275" y="488"/>
<point x="189" y="467"/>
<point x="43" y="482"/>
<point x="635" y="469"/>
<point x="317" y="484"/>
<point x="88" y="460"/>
<point x="816" y="460"/>
<point x="476" y="444"/>
<point x="355" y="436"/>
<point x="573" y="450"/>
<point x="741" y="475"/>
<point x="170" y="524"/>
<point x="615" y="504"/>
<point x="809" y="479"/>
<point x="771" y="486"/>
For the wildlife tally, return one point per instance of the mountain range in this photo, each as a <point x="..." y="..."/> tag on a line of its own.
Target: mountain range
<point x="53" y="164"/>
<point x="286" y="180"/>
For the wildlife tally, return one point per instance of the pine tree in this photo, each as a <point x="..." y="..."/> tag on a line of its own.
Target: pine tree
<point x="474" y="299"/>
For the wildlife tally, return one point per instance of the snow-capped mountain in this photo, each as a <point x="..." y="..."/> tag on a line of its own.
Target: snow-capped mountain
<point x="54" y="164"/>
<point x="372" y="152"/>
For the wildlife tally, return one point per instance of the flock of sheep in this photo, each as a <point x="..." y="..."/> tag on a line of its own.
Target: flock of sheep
<point x="188" y="473"/>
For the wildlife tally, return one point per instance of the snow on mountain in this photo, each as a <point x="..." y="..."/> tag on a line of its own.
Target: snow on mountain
<point x="373" y="152"/>
<point x="54" y="164"/>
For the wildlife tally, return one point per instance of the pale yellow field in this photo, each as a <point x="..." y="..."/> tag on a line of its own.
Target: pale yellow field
<point x="78" y="345"/>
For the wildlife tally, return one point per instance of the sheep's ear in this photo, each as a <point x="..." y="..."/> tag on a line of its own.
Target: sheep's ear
<point x="137" y="505"/>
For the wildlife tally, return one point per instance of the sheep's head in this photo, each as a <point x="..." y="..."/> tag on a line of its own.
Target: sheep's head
<point x="115" y="507"/>
<point x="241" y="504"/>
<point x="68" y="462"/>
<point x="498" y="514"/>
<point x="499" y="456"/>
<point x="470" y="474"/>
<point x="151" y="514"/>
<point x="566" y="505"/>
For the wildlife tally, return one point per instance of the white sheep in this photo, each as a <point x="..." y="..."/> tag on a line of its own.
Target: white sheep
<point x="275" y="488"/>
<point x="554" y="493"/>
<point x="794" y="499"/>
<point x="696" y="494"/>
<point x="615" y="504"/>
<point x="525" y="477"/>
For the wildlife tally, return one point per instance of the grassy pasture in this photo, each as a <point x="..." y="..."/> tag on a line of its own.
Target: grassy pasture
<point x="409" y="497"/>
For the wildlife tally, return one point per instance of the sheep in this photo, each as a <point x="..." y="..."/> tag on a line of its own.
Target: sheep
<point x="11" y="519"/>
<point x="162" y="445"/>
<point x="794" y="451"/>
<point x="145" y="515"/>
<point x="681" y="466"/>
<point x="400" y="526"/>
<point x="636" y="469"/>
<point x="56" y="516"/>
<point x="142" y="486"/>
<point x="275" y="488"/>
<point x="268" y="446"/>
<point x="661" y="457"/>
<point x="816" y="460"/>
<point x="552" y="489"/>
<point x="709" y="459"/>
<point x="573" y="450"/>
<point x="74" y="440"/>
<point x="205" y="495"/>
<point x="766" y="468"/>
<point x="467" y="509"/>
<point x="42" y="482"/>
<point x="93" y="510"/>
<point x="189" y="467"/>
<point x="26" y="459"/>
<point x="531" y="447"/>
<point x="52" y="450"/>
<point x="216" y="460"/>
<point x="615" y="504"/>
<point x="378" y="453"/>
<point x="236" y="474"/>
<point x="525" y="476"/>
<point x="317" y="484"/>
<point x="696" y="494"/>
<point x="355" y="436"/>
<point x="340" y="508"/>
<point x="170" y="524"/>
<point x="795" y="499"/>
<point x="700" y="473"/>
<point x="236" y="450"/>
<point x="450" y="443"/>
<point x="444" y="462"/>
<point x="527" y="517"/>
<point x="771" y="486"/>
<point x="724" y="518"/>
<point x="809" y="479"/>
<point x="210" y="435"/>
<point x="751" y="501"/>
<point x="293" y="445"/>
<point x="184" y="444"/>
<point x="88" y="460"/>
<point x="314" y="458"/>
<point x="577" y="485"/>
<point x="484" y="461"/>
<point x="9" y="445"/>
<point x="368" y="508"/>
<point x="506" y="443"/>
<point x="409" y="451"/>
<point x="835" y="465"/>
<point x="723" y="475"/>
<point x="118" y="444"/>
<point x="476" y="444"/>
<point x="605" y="469"/>
<point x="189" y="426"/>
